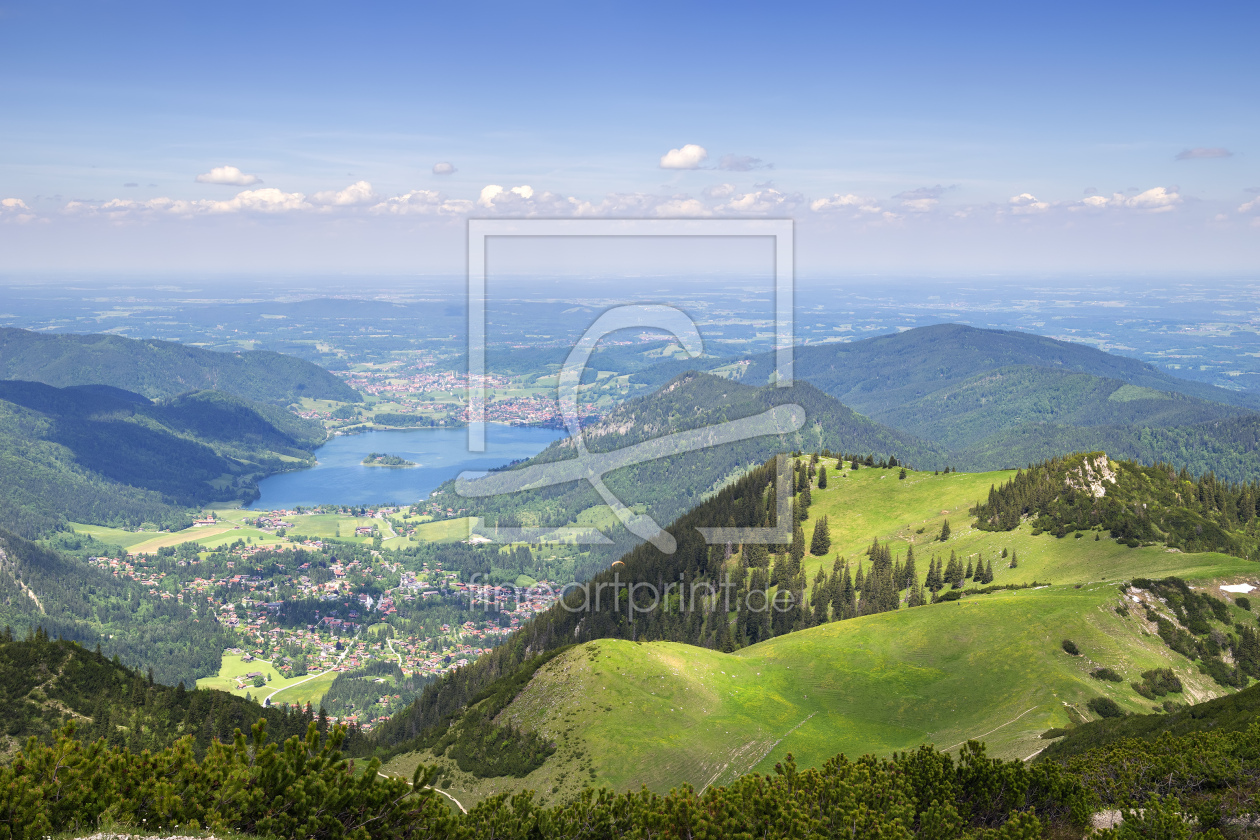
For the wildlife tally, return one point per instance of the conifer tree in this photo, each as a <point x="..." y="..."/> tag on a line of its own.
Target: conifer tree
<point x="969" y="573"/>
<point x="821" y="542"/>
<point x="901" y="476"/>
<point x="844" y="601"/>
<point x="798" y="544"/>
<point x="822" y="477"/>
<point x="820" y="597"/>
<point x="859" y="580"/>
<point x="910" y="576"/>
<point x="988" y="572"/>
<point x="935" y="578"/>
<point x="945" y="531"/>
<point x="1014" y="560"/>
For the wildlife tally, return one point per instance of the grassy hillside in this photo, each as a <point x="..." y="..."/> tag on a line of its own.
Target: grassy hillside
<point x="162" y="368"/>
<point x="988" y="666"/>
<point x="102" y="455"/>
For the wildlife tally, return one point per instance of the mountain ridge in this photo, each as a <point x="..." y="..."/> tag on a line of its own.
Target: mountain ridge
<point x="158" y="369"/>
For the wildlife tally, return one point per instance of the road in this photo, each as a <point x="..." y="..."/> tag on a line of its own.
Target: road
<point x="267" y="701"/>
<point x="458" y="804"/>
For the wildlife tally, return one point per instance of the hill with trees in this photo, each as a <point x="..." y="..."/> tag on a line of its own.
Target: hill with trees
<point x="46" y="683"/>
<point x="666" y="487"/>
<point x="993" y="399"/>
<point x="913" y="625"/>
<point x="69" y="598"/>
<point x="102" y="455"/>
<point x="160" y="369"/>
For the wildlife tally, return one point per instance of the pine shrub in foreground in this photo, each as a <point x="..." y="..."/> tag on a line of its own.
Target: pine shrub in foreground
<point x="308" y="790"/>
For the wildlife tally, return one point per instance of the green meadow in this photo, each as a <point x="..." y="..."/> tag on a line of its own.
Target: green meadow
<point x="987" y="667"/>
<point x="302" y="690"/>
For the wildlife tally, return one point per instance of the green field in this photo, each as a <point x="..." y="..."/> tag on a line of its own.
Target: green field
<point x="989" y="666"/>
<point x="114" y="536"/>
<point x="310" y="691"/>
<point x="232" y="667"/>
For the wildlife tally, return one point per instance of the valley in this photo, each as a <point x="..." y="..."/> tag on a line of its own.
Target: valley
<point x="916" y="603"/>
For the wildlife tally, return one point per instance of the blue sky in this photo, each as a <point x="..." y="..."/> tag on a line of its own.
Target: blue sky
<point x="935" y="138"/>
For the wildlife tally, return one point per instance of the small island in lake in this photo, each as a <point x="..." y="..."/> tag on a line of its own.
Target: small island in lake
<point x="380" y="459"/>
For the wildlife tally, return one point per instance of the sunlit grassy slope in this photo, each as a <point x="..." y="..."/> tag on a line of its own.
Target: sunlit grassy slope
<point x="989" y="666"/>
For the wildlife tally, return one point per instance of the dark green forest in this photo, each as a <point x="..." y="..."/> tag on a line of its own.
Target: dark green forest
<point x="1193" y="786"/>
<point x="1133" y="503"/>
<point x="102" y="455"/>
<point x="46" y="683"/>
<point x="78" y="602"/>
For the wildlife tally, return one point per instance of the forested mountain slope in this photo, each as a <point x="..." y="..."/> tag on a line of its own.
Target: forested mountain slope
<point x="879" y="374"/>
<point x="667" y="487"/>
<point x="46" y="683"/>
<point x="69" y="598"/>
<point x="994" y="399"/>
<point x="162" y="368"/>
<point x="1022" y="396"/>
<point x="100" y="454"/>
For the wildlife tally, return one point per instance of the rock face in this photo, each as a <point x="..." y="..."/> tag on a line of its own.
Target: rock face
<point x="1093" y="475"/>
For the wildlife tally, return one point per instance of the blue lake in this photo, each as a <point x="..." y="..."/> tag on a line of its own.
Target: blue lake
<point x="340" y="477"/>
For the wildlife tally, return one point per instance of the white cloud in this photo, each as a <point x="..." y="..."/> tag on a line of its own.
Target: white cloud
<point x="1254" y="204"/>
<point x="229" y="176"/>
<point x="1025" y="203"/>
<point x="847" y="202"/>
<point x="919" y="205"/>
<point x="266" y="200"/>
<point x="689" y="156"/>
<point x="921" y="200"/>
<point x="681" y="206"/>
<point x="1203" y="153"/>
<point x="494" y="195"/>
<point x="835" y="202"/>
<point x="360" y="192"/>
<point x="761" y="202"/>
<point x="423" y="202"/>
<point x="718" y="191"/>
<point x="15" y="210"/>
<point x="1154" y="200"/>
<point x="444" y="168"/>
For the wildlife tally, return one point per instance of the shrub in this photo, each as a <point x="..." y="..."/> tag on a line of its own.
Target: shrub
<point x="1243" y="602"/>
<point x="1070" y="648"/>
<point x="1105" y="707"/>
<point x="1105" y="674"/>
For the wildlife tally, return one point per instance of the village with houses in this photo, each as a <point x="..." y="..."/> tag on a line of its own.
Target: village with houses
<point x="304" y="611"/>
